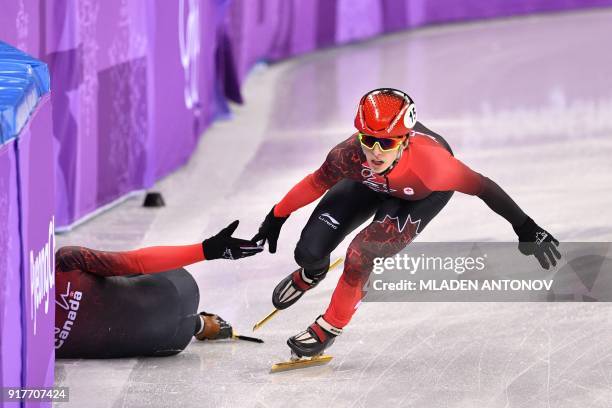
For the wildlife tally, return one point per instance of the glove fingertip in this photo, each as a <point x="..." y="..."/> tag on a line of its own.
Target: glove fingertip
<point x="229" y="230"/>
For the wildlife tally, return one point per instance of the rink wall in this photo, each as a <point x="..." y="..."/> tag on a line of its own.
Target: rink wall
<point x="26" y="223"/>
<point x="136" y="82"/>
<point x="277" y="29"/>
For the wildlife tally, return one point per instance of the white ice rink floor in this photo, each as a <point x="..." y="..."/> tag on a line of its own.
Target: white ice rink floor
<point x="525" y="101"/>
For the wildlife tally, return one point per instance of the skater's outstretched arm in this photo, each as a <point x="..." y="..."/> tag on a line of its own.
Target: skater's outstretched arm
<point x="154" y="259"/>
<point x="302" y="194"/>
<point x="500" y="202"/>
<point x="139" y="261"/>
<point x="341" y="162"/>
<point x="533" y="239"/>
<point x="456" y="176"/>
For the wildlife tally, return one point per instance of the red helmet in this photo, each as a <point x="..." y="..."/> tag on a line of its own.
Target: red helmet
<point x="385" y="112"/>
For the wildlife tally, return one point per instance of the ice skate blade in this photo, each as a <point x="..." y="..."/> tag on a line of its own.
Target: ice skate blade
<point x="265" y="319"/>
<point x="301" y="363"/>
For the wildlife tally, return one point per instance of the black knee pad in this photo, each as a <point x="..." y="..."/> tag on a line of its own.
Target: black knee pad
<point x="314" y="264"/>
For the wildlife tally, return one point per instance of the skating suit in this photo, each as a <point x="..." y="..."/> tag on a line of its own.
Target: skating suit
<point x="114" y="304"/>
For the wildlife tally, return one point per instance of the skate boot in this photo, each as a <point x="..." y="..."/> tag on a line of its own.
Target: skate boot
<point x="213" y="328"/>
<point x="291" y="289"/>
<point x="314" y="340"/>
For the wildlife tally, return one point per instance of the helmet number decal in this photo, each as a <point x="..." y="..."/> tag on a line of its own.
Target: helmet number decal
<point x="410" y="116"/>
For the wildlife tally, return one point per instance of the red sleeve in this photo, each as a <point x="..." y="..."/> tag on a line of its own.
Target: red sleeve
<point x="162" y="258"/>
<point x="341" y="162"/>
<point x="139" y="261"/>
<point x="302" y="194"/>
<point x="443" y="172"/>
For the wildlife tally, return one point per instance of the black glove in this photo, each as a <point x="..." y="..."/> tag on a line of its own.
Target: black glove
<point x="535" y="240"/>
<point x="215" y="328"/>
<point x="269" y="230"/>
<point x="223" y="245"/>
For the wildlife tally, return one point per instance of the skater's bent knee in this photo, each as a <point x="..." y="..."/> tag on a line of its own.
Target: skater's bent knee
<point x="309" y="253"/>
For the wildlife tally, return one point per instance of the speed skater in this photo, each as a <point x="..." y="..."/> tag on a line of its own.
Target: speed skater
<point x="401" y="173"/>
<point x="137" y="303"/>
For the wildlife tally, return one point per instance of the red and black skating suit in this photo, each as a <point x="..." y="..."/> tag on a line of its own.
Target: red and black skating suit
<point x="402" y="202"/>
<point x="115" y="304"/>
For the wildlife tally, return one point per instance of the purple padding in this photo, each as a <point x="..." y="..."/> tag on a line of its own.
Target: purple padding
<point x="172" y="121"/>
<point x="10" y="278"/>
<point x="97" y="57"/>
<point x="36" y="165"/>
<point x="123" y="151"/>
<point x="134" y="84"/>
<point x="277" y="29"/>
<point x="22" y="26"/>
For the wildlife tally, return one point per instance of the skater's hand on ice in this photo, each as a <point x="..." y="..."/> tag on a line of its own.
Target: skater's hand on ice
<point x="269" y="231"/>
<point x="223" y="245"/>
<point x="215" y="328"/>
<point x="535" y="240"/>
